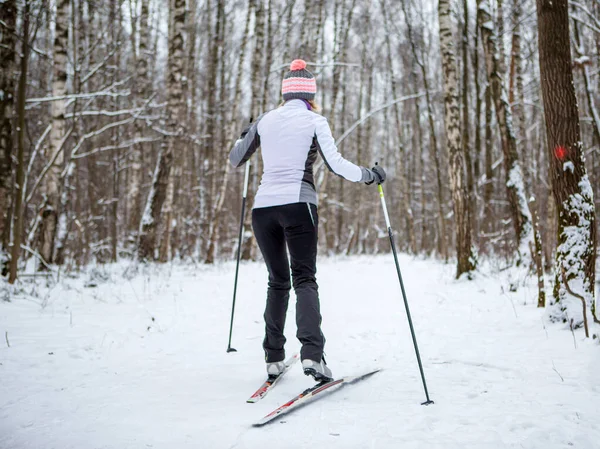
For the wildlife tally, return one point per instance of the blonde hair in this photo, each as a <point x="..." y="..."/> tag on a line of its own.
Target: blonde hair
<point x="314" y="106"/>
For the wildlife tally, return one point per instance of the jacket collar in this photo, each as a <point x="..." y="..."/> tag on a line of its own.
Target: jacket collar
<point x="295" y="103"/>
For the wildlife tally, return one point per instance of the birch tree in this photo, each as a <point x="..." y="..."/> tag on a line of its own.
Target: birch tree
<point x="158" y="191"/>
<point x="57" y="138"/>
<point x="141" y="91"/>
<point x="456" y="168"/>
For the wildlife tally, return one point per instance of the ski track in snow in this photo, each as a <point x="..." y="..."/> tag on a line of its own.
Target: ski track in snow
<point x="91" y="369"/>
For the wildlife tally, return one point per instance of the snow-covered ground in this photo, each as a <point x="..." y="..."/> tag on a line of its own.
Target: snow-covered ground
<point x="139" y="361"/>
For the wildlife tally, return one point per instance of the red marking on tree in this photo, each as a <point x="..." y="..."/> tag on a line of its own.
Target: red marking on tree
<point x="560" y="152"/>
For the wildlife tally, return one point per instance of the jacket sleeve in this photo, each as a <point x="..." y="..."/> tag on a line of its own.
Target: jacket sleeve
<point x="331" y="156"/>
<point x="246" y="146"/>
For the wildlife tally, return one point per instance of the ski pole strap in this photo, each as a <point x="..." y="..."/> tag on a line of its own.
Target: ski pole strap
<point x="385" y="211"/>
<point x="246" y="176"/>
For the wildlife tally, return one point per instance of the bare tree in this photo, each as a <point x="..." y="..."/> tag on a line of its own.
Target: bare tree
<point x="520" y="214"/>
<point x="134" y="198"/>
<point x="58" y="134"/>
<point x="160" y="183"/>
<point x="8" y="20"/>
<point x="575" y="267"/>
<point x="420" y="59"/>
<point x="456" y="168"/>
<point x="22" y="90"/>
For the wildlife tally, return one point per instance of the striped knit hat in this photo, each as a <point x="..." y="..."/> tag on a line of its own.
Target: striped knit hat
<point x="298" y="82"/>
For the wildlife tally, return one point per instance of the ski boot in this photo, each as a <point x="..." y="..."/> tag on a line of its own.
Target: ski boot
<point x="274" y="369"/>
<point x="318" y="370"/>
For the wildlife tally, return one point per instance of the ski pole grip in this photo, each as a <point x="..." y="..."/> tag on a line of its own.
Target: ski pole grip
<point x="379" y="184"/>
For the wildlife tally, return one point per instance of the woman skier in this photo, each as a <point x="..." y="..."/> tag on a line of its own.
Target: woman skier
<point x="285" y="213"/>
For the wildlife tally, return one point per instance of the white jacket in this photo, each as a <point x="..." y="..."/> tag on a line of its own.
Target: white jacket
<point x="290" y="137"/>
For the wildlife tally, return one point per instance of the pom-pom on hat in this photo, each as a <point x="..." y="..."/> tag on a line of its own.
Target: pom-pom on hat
<point x="298" y="82"/>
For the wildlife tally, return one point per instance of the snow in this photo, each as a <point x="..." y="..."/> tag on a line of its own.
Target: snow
<point x="568" y="166"/>
<point x="137" y="360"/>
<point x="489" y="25"/>
<point x="582" y="60"/>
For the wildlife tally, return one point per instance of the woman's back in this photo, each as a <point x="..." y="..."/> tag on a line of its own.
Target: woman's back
<point x="290" y="137"/>
<point x="288" y="153"/>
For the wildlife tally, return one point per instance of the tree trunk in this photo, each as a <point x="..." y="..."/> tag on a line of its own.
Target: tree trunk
<point x="57" y="135"/>
<point x="8" y="42"/>
<point x="466" y="147"/>
<point x="160" y="183"/>
<point x="134" y="188"/>
<point x="475" y="217"/>
<point x="456" y="167"/>
<point x="248" y="247"/>
<point x="22" y="91"/>
<point x="571" y="189"/>
<point x="488" y="187"/>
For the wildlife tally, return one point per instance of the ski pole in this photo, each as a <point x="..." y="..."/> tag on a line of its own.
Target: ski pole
<point x="412" y="330"/>
<point x="237" y="266"/>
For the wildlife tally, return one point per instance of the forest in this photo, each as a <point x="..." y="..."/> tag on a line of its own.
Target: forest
<point x="117" y="116"/>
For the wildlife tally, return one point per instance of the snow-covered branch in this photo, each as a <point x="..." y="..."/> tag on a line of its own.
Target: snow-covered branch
<point x="77" y="96"/>
<point x="120" y="146"/>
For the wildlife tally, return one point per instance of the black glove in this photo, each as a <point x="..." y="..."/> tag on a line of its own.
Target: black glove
<point x="378" y="174"/>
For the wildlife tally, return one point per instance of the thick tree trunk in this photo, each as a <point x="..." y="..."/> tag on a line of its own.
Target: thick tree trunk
<point x="571" y="189"/>
<point x="456" y="167"/>
<point x="8" y="18"/>
<point x="158" y="192"/>
<point x="57" y="135"/>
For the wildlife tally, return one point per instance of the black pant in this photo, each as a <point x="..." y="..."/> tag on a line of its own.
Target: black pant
<point x="297" y="226"/>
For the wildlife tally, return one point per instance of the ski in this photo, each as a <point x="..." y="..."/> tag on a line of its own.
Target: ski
<point x="311" y="394"/>
<point x="271" y="382"/>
